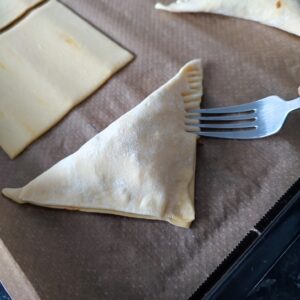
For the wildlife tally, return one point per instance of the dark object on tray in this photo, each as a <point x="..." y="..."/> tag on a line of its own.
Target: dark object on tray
<point x="3" y="293"/>
<point x="251" y="268"/>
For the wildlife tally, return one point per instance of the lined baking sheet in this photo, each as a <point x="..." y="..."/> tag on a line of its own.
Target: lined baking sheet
<point x="72" y="255"/>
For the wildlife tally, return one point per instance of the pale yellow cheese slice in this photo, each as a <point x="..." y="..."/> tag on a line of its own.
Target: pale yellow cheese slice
<point x="49" y="62"/>
<point x="10" y="10"/>
<point x="282" y="14"/>
<point x="142" y="165"/>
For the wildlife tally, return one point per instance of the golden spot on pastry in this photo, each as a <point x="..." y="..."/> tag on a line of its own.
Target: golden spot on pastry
<point x="71" y="42"/>
<point x="2" y="66"/>
<point x="278" y="4"/>
<point x="184" y="94"/>
<point x="191" y="69"/>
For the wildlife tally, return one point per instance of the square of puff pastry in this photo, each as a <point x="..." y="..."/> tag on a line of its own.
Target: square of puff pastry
<point x="142" y="165"/>
<point x="49" y="62"/>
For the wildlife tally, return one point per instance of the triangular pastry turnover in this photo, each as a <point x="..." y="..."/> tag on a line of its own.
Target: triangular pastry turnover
<point x="282" y="14"/>
<point x="142" y="165"/>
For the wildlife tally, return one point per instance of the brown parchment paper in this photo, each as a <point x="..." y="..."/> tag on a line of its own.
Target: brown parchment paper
<point x="72" y="255"/>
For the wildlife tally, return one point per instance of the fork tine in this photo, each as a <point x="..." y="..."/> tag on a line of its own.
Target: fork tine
<point x="240" y="135"/>
<point x="224" y="126"/>
<point x="225" y="110"/>
<point x="222" y="118"/>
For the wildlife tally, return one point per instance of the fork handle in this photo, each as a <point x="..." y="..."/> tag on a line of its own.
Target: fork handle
<point x="294" y="104"/>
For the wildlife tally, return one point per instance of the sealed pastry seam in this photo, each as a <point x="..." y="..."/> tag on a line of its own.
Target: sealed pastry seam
<point x="142" y="165"/>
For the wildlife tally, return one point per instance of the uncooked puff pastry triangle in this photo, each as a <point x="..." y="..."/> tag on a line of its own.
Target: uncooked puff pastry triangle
<point x="49" y="62"/>
<point x="142" y="165"/>
<point x="282" y="14"/>
<point x="11" y="10"/>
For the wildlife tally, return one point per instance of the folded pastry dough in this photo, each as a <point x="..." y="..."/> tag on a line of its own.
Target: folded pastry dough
<point x="142" y="165"/>
<point x="10" y="10"/>
<point x="283" y="14"/>
<point x="49" y="62"/>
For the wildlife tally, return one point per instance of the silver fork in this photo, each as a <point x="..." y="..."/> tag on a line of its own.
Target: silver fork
<point x="253" y="120"/>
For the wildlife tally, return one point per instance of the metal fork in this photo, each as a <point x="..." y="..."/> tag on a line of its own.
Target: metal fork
<point x="253" y="120"/>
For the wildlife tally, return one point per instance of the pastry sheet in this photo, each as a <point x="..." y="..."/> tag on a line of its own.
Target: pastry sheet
<point x="73" y="255"/>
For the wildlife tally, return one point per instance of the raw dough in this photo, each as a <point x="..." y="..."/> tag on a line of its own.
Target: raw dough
<point x="49" y="62"/>
<point x="283" y="14"/>
<point x="10" y="10"/>
<point x="142" y="165"/>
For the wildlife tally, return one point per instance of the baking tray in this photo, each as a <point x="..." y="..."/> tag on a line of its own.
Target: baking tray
<point x="72" y="255"/>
